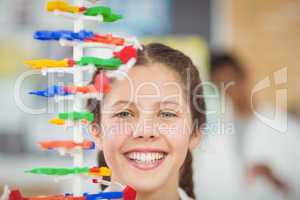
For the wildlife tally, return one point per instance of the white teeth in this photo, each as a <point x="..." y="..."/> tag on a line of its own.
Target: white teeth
<point x="145" y="156"/>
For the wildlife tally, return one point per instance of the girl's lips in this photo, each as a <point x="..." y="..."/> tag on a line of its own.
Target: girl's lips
<point x="145" y="167"/>
<point x="145" y="159"/>
<point x="146" y="150"/>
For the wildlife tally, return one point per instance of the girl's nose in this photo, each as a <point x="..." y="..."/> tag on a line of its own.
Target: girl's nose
<point x="146" y="128"/>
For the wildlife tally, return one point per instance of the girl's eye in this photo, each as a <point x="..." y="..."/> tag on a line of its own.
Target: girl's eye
<point x="167" y="115"/>
<point x="123" y="114"/>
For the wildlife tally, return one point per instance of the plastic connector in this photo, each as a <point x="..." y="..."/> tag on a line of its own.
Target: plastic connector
<point x="86" y="145"/>
<point x="75" y="116"/>
<point x="62" y="6"/>
<point x="51" y="92"/>
<point x="112" y="18"/>
<point x="80" y="89"/>
<point x="126" y="54"/>
<point x="57" y="122"/>
<point x="109" y="64"/>
<point x="15" y="195"/>
<point x="48" y="63"/>
<point x="102" y="83"/>
<point x="106" y="12"/>
<point x="104" y="195"/>
<point x="98" y="10"/>
<point x="59" y="171"/>
<point x="102" y="171"/>
<point x="106" y="39"/>
<point x="63" y="34"/>
<point x="129" y="193"/>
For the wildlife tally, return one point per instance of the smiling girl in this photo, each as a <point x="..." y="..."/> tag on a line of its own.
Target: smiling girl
<point x="150" y="122"/>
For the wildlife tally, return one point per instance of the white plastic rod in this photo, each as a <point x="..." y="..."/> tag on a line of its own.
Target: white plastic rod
<point x="78" y="160"/>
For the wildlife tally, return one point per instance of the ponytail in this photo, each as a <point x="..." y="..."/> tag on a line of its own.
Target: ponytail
<point x="186" y="176"/>
<point x="102" y="163"/>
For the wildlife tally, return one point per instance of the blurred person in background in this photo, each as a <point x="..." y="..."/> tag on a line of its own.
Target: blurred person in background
<point x="252" y="161"/>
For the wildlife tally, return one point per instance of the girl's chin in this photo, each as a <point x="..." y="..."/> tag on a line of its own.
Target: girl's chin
<point x="147" y="185"/>
<point x="144" y="177"/>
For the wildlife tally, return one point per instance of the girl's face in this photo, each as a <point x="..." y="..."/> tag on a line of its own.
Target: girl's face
<point x="146" y="128"/>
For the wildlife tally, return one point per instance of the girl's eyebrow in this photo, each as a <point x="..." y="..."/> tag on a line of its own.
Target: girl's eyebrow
<point x="122" y="102"/>
<point x="173" y="104"/>
<point x="169" y="102"/>
<point x="125" y="103"/>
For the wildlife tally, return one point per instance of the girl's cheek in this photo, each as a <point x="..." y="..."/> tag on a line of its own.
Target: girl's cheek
<point x="173" y="128"/>
<point x="109" y="154"/>
<point x="115" y="136"/>
<point x="118" y="129"/>
<point x="177" y="134"/>
<point x="112" y="143"/>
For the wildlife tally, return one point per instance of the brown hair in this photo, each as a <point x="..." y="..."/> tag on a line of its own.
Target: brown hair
<point x="187" y="71"/>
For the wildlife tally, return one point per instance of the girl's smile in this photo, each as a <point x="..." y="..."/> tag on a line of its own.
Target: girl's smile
<point x="146" y="158"/>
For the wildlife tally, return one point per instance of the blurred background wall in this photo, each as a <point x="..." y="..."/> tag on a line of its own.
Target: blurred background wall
<point x="265" y="35"/>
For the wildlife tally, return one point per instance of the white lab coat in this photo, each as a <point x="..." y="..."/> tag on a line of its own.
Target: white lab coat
<point x="278" y="149"/>
<point x="219" y="169"/>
